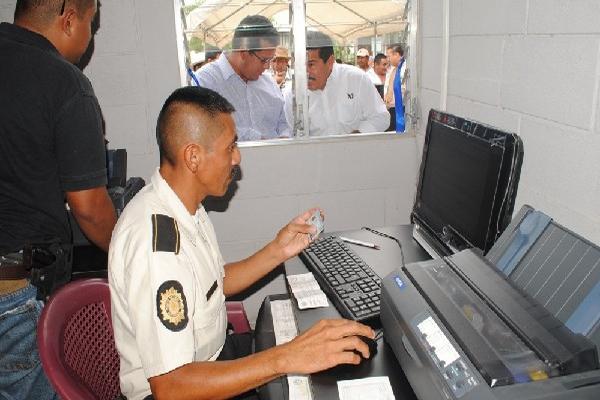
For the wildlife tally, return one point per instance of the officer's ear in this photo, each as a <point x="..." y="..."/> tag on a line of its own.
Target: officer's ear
<point x="194" y="156"/>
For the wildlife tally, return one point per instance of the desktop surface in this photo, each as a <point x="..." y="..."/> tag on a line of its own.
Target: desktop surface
<point x="383" y="261"/>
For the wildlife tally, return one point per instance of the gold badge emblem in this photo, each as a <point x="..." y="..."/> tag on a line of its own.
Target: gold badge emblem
<point x="172" y="307"/>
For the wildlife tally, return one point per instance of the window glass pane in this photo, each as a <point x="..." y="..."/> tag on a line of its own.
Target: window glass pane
<point x="347" y="89"/>
<point x="244" y="34"/>
<point x="347" y="66"/>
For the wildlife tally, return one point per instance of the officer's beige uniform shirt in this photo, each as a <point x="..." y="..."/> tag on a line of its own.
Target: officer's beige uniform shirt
<point x="349" y="102"/>
<point x="148" y="343"/>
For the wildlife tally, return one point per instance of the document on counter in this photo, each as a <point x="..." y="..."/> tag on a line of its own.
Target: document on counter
<point x="375" y="388"/>
<point x="307" y="292"/>
<point x="285" y="330"/>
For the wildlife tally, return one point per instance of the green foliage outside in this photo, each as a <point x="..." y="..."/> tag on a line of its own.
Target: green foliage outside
<point x="187" y="9"/>
<point x="343" y="53"/>
<point x="195" y="44"/>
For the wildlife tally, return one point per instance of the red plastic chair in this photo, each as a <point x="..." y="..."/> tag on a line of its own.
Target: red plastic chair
<point x="76" y="343"/>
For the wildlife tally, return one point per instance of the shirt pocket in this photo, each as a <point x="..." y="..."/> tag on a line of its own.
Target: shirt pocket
<point x="210" y="304"/>
<point x="210" y="326"/>
<point x="347" y="113"/>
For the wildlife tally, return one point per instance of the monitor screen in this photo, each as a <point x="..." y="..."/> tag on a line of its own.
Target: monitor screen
<point x="460" y="181"/>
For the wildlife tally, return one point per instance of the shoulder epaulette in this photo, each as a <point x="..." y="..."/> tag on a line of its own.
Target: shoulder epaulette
<point x="165" y="234"/>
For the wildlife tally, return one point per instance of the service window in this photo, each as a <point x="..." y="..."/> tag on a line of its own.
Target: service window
<point x="302" y="68"/>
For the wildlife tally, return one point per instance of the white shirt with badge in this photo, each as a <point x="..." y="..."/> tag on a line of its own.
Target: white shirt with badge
<point x="349" y="102"/>
<point x="166" y="280"/>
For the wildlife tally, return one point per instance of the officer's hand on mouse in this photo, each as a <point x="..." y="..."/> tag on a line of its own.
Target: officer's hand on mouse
<point x="371" y="344"/>
<point x="325" y="345"/>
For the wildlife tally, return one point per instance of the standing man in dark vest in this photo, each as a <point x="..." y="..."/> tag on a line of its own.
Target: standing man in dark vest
<point x="52" y="151"/>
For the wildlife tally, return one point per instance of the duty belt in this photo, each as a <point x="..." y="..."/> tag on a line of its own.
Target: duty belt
<point x="47" y="265"/>
<point x="12" y="267"/>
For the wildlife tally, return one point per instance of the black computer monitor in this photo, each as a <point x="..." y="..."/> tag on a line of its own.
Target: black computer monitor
<point x="468" y="181"/>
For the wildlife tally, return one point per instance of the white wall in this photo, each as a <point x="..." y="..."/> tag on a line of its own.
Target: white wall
<point x="7" y="9"/>
<point x="133" y="69"/>
<point x="530" y="67"/>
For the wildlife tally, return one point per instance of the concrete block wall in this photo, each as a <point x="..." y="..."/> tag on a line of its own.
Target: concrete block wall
<point x="530" y="67"/>
<point x="7" y="10"/>
<point x="133" y="69"/>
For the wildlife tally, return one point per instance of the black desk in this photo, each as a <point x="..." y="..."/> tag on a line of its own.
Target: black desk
<point x="324" y="384"/>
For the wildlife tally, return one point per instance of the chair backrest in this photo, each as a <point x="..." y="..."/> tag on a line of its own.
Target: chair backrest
<point x="236" y="316"/>
<point x="76" y="342"/>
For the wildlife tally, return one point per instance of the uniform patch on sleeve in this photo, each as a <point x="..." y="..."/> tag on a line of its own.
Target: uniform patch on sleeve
<point x="171" y="306"/>
<point x="165" y="234"/>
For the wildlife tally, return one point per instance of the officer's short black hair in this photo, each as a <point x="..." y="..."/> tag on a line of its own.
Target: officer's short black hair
<point x="186" y="99"/>
<point x="44" y="11"/>
<point x="255" y="32"/>
<point x="322" y="42"/>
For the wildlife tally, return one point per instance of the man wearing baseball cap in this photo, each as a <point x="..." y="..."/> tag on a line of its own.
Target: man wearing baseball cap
<point x="362" y="59"/>
<point x="239" y="76"/>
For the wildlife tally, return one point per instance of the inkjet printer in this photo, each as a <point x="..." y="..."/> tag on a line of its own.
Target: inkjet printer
<point x="523" y="322"/>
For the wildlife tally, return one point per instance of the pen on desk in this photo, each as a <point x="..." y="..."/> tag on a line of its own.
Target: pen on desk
<point x="360" y="243"/>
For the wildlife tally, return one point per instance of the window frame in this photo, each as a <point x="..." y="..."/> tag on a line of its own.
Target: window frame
<point x="300" y="127"/>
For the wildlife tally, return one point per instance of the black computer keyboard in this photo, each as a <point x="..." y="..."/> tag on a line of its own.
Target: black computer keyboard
<point x="348" y="281"/>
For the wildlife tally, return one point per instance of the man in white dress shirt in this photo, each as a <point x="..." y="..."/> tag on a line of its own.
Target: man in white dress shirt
<point x="240" y="77"/>
<point x="341" y="98"/>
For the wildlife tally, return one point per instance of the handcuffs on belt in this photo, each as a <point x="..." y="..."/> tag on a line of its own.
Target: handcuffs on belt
<point x="46" y="264"/>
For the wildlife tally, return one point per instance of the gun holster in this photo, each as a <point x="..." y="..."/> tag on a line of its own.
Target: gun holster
<point x="49" y="264"/>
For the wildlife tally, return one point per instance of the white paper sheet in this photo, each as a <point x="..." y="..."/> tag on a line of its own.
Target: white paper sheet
<point x="285" y="330"/>
<point x="307" y="292"/>
<point x="374" y="388"/>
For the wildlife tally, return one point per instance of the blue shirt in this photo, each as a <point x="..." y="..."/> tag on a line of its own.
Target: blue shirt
<point x="259" y="112"/>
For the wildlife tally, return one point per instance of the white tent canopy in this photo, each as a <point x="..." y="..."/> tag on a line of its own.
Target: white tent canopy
<point x="343" y="20"/>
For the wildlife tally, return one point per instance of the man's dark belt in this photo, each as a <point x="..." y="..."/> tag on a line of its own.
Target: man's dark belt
<point x="47" y="265"/>
<point x="12" y="267"/>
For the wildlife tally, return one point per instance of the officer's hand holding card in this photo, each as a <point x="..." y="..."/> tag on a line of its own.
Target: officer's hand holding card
<point x="317" y="220"/>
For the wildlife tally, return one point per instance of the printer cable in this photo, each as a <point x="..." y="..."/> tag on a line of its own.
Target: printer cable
<point x="385" y="235"/>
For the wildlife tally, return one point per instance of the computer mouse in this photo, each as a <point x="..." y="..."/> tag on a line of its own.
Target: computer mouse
<point x="372" y="343"/>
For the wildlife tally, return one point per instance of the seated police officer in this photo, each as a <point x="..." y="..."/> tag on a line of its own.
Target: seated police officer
<point x="169" y="281"/>
<point x="51" y="149"/>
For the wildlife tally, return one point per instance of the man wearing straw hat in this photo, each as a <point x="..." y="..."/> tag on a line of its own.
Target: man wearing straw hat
<point x="280" y="65"/>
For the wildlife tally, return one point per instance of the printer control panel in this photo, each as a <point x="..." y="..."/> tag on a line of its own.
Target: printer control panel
<point x="454" y="370"/>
